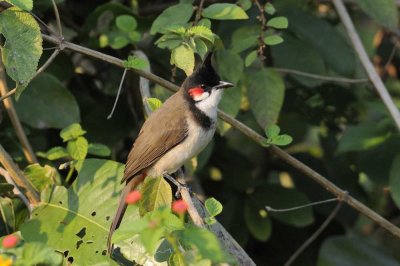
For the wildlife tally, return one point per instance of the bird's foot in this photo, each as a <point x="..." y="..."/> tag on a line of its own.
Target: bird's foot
<point x="179" y="186"/>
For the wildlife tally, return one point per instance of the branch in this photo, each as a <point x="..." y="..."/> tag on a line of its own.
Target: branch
<point x="198" y="12"/>
<point x="319" y="77"/>
<point x="362" y="54"/>
<point x="23" y="184"/>
<point x="332" y="188"/>
<point x="9" y="106"/>
<point x="16" y="190"/>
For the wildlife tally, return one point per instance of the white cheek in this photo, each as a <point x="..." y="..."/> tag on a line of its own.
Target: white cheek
<point x="209" y="105"/>
<point x="201" y="96"/>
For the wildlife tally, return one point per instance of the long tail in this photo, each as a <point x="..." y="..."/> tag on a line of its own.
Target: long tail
<point x="134" y="182"/>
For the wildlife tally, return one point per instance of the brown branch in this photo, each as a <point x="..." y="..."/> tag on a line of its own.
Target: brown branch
<point x="263" y="21"/>
<point x="319" y="77"/>
<point x="57" y="15"/>
<point x="332" y="188"/>
<point x="9" y="106"/>
<point x="198" y="12"/>
<point x="24" y="185"/>
<point x="16" y="190"/>
<point x="362" y="54"/>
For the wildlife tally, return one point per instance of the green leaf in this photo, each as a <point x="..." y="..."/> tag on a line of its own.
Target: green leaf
<point x="55" y="153"/>
<point x="266" y="94"/>
<point x="272" y="131"/>
<point x="26" y="5"/>
<point x="126" y="23"/>
<point x="332" y="45"/>
<point x="260" y="227"/>
<point x="36" y="253"/>
<point x="78" y="219"/>
<point x="244" y="38"/>
<point x="281" y="198"/>
<point x="183" y="58"/>
<point x="213" y="206"/>
<point x="41" y="177"/>
<point x="278" y="23"/>
<point x="72" y="131"/>
<point x="53" y="105"/>
<point x="5" y="187"/>
<point x="119" y="42"/>
<point x="7" y="213"/>
<point x="202" y="31"/>
<point x="99" y="149"/>
<point x="394" y="180"/>
<point x="245" y="4"/>
<point x="344" y="250"/>
<point x="153" y="103"/>
<point x="224" y="12"/>
<point x="197" y="237"/>
<point x="299" y="55"/>
<point x="362" y="137"/>
<point x="250" y="58"/>
<point x="201" y="47"/>
<point x="269" y="9"/>
<point x="282" y="140"/>
<point x="156" y="193"/>
<point x="135" y="62"/>
<point x="384" y="12"/>
<point x="174" y="15"/>
<point x="273" y="40"/>
<point x="78" y="148"/>
<point x="23" y="46"/>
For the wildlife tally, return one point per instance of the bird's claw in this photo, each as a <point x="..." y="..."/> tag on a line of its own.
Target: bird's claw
<point x="179" y="186"/>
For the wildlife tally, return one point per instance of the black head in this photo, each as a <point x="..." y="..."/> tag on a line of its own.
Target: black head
<point x="204" y="79"/>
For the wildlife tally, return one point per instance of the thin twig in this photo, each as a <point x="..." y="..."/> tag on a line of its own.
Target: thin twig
<point x="8" y="94"/>
<point x="9" y="106"/>
<point x="315" y="234"/>
<point x="198" y="12"/>
<point x="118" y="93"/>
<point x="332" y="188"/>
<point x="362" y="54"/>
<point x="320" y="77"/>
<point x="24" y="185"/>
<point x="263" y="21"/>
<point x="57" y="14"/>
<point x="270" y="209"/>
<point x="392" y="53"/>
<point x="16" y="190"/>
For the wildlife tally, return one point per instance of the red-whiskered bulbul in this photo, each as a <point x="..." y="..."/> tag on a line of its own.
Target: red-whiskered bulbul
<point x="174" y="133"/>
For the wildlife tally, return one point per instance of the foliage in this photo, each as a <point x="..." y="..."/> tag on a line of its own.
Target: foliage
<point x="340" y="129"/>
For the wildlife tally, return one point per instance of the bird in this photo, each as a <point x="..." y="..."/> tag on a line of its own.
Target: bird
<point x="174" y="133"/>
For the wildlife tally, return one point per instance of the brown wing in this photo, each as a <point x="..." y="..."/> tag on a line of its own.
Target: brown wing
<point x="162" y="131"/>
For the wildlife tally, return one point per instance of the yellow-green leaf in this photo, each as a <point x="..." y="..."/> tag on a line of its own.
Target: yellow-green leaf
<point x="183" y="58"/>
<point x="224" y="12"/>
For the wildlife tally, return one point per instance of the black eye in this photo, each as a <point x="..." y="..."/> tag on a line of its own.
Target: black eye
<point x="203" y="86"/>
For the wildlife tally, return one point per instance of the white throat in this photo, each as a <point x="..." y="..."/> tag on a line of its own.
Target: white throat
<point x="209" y="105"/>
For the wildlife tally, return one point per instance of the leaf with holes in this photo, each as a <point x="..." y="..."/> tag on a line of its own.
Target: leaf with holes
<point x="23" y="46"/>
<point x="76" y="221"/>
<point x="156" y="193"/>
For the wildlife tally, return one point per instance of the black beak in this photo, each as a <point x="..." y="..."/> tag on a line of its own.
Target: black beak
<point x="223" y="85"/>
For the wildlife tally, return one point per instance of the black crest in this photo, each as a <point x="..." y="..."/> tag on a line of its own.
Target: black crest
<point x="204" y="74"/>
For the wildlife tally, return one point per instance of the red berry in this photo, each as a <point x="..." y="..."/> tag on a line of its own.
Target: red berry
<point x="133" y="197"/>
<point x="10" y="241"/>
<point x="179" y="207"/>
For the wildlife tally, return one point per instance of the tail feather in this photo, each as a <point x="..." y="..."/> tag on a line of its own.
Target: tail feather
<point x="131" y="185"/>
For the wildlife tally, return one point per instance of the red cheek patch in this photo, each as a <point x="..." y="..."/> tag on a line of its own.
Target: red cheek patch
<point x="193" y="92"/>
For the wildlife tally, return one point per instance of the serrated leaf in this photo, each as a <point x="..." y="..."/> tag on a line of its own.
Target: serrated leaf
<point x="78" y="148"/>
<point x="266" y="94"/>
<point x="41" y="177"/>
<point x="83" y="212"/>
<point x="384" y="12"/>
<point x="282" y="140"/>
<point x="99" y="149"/>
<point x="250" y="58"/>
<point x="153" y="103"/>
<point x="269" y="8"/>
<point x="272" y="131"/>
<point x="278" y="23"/>
<point x="55" y="153"/>
<point x="394" y="180"/>
<point x="23" y="46"/>
<point x="126" y="23"/>
<point x="156" y="193"/>
<point x="72" y="131"/>
<point x="203" y="32"/>
<point x="53" y="105"/>
<point x="224" y="12"/>
<point x="259" y="227"/>
<point x="273" y="40"/>
<point x="174" y="15"/>
<point x="205" y="22"/>
<point x="213" y="206"/>
<point x="136" y="62"/>
<point x="26" y="5"/>
<point x="183" y="58"/>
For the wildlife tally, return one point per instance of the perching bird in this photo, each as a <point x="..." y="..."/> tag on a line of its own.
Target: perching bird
<point x="176" y="132"/>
